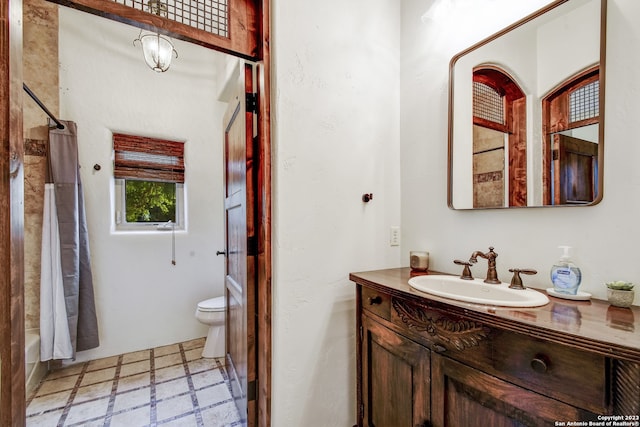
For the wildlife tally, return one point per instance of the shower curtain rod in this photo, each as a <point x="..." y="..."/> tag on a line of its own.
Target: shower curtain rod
<point x="41" y="105"/>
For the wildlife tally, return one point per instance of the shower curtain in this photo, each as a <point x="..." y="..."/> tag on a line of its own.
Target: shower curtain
<point x="66" y="268"/>
<point x="55" y="342"/>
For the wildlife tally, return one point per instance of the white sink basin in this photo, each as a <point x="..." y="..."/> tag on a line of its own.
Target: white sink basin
<point x="478" y="292"/>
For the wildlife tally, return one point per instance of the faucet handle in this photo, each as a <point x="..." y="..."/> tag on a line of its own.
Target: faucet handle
<point x="516" y="281"/>
<point x="466" y="272"/>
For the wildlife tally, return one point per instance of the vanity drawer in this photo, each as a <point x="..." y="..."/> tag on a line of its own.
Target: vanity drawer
<point x="376" y="302"/>
<point x="554" y="370"/>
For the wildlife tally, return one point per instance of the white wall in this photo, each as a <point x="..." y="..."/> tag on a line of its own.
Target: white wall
<point x="604" y="236"/>
<point x="142" y="299"/>
<point x="336" y="137"/>
<point x="567" y="45"/>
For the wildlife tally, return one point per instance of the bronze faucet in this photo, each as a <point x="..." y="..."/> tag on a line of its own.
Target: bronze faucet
<point x="516" y="280"/>
<point x="492" y="274"/>
<point x="466" y="272"/>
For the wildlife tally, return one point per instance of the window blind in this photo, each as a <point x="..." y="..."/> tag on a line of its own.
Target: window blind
<point x="149" y="159"/>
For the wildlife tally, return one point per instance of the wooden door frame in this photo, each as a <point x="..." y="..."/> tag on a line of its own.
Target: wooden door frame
<point x="555" y="118"/>
<point x="515" y="126"/>
<point x="12" y="370"/>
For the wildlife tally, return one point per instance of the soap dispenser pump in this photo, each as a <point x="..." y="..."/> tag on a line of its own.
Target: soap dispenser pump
<point x="565" y="275"/>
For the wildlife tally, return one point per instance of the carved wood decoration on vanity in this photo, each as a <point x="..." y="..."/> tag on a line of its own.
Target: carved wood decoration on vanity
<point x="461" y="333"/>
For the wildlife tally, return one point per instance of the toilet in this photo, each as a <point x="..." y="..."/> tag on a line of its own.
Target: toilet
<point x="211" y="312"/>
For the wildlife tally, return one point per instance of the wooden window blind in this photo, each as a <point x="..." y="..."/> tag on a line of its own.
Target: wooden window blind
<point x="149" y="159"/>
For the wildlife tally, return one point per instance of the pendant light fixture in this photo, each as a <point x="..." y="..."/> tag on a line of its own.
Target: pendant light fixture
<point x="157" y="49"/>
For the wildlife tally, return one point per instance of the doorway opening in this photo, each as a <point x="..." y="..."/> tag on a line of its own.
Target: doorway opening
<point x="499" y="140"/>
<point x="571" y="129"/>
<point x="12" y="405"/>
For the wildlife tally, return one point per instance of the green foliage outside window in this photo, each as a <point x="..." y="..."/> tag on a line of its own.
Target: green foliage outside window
<point x="150" y="201"/>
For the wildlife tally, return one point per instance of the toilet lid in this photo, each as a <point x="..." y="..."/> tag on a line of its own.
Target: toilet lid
<point x="212" y="304"/>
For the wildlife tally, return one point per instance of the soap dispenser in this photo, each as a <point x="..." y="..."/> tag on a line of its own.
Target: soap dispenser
<point x="565" y="275"/>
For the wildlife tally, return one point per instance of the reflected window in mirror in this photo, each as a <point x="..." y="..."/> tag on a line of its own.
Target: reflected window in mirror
<point x="499" y="140"/>
<point x="571" y="127"/>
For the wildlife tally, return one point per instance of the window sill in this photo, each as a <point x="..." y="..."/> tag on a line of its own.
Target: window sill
<point x="147" y="230"/>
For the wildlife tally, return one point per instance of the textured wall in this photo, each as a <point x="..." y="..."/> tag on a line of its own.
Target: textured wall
<point x="336" y="136"/>
<point x="40" y="61"/>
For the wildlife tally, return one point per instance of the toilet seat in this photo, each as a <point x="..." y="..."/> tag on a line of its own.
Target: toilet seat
<point x="212" y="304"/>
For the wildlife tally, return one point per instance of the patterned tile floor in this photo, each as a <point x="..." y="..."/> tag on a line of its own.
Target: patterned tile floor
<point x="165" y="386"/>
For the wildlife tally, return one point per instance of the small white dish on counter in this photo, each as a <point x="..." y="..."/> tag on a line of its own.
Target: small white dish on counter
<point x="579" y="296"/>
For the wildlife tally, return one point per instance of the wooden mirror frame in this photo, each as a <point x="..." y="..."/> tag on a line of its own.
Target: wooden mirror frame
<point x="250" y="35"/>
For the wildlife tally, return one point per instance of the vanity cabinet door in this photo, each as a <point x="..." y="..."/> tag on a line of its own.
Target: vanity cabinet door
<point x="462" y="396"/>
<point x="395" y="379"/>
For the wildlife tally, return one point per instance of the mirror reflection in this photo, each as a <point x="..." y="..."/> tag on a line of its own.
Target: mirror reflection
<point x="525" y="119"/>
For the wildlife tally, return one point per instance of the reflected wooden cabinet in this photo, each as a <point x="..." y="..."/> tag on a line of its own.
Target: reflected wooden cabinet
<point x="424" y="363"/>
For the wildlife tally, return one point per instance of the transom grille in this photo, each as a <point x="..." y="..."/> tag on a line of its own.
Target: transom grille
<point x="487" y="103"/>
<point x="584" y="102"/>
<point x="211" y="16"/>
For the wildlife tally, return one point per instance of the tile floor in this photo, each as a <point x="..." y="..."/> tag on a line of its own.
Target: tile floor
<point x="165" y="386"/>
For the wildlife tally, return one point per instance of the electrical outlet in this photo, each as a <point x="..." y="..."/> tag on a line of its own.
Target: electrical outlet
<point x="394" y="239"/>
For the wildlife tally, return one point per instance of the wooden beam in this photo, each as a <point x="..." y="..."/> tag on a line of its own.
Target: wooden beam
<point x="243" y="25"/>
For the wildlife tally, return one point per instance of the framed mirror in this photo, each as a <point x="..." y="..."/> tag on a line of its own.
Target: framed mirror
<point x="526" y="112"/>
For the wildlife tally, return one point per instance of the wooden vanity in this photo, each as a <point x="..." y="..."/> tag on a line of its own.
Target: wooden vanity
<point x="429" y="361"/>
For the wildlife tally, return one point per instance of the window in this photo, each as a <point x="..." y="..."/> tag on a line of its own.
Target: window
<point x="149" y="182"/>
